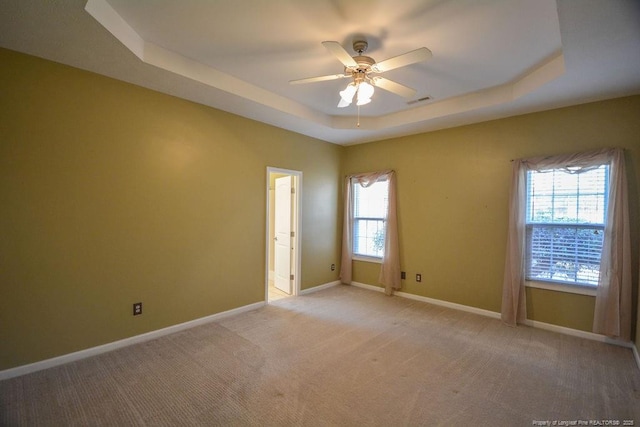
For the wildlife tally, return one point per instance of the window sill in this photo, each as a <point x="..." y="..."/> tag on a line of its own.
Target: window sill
<point x="562" y="287"/>
<point x="374" y="260"/>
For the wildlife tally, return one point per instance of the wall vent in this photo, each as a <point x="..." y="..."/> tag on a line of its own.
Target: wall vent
<point x="415" y="101"/>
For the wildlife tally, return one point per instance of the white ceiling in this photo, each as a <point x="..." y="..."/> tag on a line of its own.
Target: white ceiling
<point x="491" y="58"/>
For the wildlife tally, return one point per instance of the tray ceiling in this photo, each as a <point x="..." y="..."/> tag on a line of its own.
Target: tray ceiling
<point x="491" y="59"/>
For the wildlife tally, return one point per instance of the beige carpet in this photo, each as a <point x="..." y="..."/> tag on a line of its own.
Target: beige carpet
<point x="342" y="356"/>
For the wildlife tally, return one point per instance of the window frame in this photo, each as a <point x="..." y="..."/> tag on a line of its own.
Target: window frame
<point x="558" y="285"/>
<point x="360" y="256"/>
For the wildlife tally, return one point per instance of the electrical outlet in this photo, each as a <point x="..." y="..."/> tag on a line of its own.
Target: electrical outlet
<point x="137" y="308"/>
<point x="418" y="277"/>
<point x="333" y="267"/>
<point x="403" y="275"/>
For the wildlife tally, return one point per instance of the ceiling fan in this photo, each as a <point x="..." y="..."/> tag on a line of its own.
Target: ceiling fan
<point x="362" y="69"/>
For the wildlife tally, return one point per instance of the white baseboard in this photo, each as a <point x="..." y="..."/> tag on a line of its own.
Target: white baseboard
<point x="577" y="333"/>
<point x="368" y="287"/>
<point x="320" y="287"/>
<point x="496" y="315"/>
<point x="94" y="351"/>
<point x="455" y="306"/>
<point x="433" y="301"/>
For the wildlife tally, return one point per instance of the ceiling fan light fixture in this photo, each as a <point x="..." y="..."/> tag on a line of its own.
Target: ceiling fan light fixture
<point x="346" y="95"/>
<point x="365" y="92"/>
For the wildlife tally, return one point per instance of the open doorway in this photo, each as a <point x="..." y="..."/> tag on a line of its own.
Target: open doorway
<point x="282" y="275"/>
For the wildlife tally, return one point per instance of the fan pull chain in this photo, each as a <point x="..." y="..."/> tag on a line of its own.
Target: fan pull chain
<point x="358" y="124"/>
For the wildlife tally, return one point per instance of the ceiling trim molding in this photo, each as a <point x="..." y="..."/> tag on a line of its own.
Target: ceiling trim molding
<point x="166" y="59"/>
<point x="109" y="19"/>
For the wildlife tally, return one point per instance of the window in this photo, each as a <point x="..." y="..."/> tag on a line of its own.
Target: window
<point x="565" y="218"/>
<point x="370" y="230"/>
<point x="369" y="218"/>
<point x="559" y="209"/>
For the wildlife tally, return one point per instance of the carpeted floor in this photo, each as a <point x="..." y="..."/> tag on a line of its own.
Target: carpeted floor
<point x="342" y="356"/>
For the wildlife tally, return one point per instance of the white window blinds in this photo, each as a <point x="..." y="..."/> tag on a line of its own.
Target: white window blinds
<point x="369" y="218"/>
<point x="565" y="219"/>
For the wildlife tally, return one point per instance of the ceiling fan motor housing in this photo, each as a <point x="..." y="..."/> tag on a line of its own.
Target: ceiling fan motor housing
<point x="364" y="66"/>
<point x="360" y="46"/>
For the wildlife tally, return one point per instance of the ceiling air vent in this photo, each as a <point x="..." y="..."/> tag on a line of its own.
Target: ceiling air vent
<point x="415" y="101"/>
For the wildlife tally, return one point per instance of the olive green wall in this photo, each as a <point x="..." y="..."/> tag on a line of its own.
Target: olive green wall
<point x="113" y="194"/>
<point x="453" y="187"/>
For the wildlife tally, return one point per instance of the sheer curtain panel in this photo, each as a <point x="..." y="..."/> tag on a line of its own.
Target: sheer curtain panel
<point x="514" y="307"/>
<point x="612" y="315"/>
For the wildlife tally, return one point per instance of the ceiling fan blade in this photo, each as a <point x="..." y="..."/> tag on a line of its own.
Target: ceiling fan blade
<point x="319" y="79"/>
<point x="393" y="87"/>
<point x="339" y="52"/>
<point x="408" y="58"/>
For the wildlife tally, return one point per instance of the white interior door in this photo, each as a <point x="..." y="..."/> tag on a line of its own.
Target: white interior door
<point x="282" y="235"/>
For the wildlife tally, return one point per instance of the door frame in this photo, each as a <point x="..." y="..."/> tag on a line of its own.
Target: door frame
<point x="296" y="208"/>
